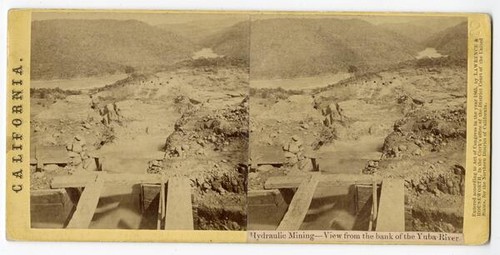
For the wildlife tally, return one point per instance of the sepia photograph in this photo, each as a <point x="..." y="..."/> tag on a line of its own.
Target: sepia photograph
<point x="248" y="127"/>
<point x="139" y="120"/>
<point x="357" y="123"/>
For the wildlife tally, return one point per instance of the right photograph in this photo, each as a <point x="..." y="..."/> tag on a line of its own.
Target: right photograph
<point x="357" y="123"/>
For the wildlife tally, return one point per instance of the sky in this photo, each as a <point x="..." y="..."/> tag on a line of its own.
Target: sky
<point x="152" y="18"/>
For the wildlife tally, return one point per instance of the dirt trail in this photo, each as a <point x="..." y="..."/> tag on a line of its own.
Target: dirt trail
<point x="138" y="139"/>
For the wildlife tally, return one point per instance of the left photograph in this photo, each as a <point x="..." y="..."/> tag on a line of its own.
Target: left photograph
<point x="139" y="121"/>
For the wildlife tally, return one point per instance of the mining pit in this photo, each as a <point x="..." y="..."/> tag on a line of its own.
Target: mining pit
<point x="405" y="124"/>
<point x="140" y="144"/>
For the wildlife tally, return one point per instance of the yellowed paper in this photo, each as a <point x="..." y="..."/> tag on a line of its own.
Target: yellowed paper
<point x="266" y="127"/>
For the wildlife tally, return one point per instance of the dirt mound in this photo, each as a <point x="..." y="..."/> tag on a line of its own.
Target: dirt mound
<point x="209" y="146"/>
<point x="200" y="129"/>
<point x="423" y="132"/>
<point x="427" y="149"/>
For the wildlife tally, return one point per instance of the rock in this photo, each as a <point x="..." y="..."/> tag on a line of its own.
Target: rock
<point x="50" y="167"/>
<point x="77" y="147"/>
<point x="293" y="148"/>
<point x="449" y="183"/>
<point x="285" y="147"/>
<point x="38" y="175"/>
<point x="155" y="163"/>
<point x="221" y="190"/>
<point x="87" y="125"/>
<point x="253" y="176"/>
<point x="417" y="152"/>
<point x="289" y="154"/>
<point x="326" y="122"/>
<point x="73" y="154"/>
<point x="185" y="147"/>
<point x="265" y="168"/>
<point x="304" y="126"/>
<point x="84" y="155"/>
<point x="87" y="163"/>
<point x="421" y="187"/>
<point x="402" y="147"/>
<point x="430" y="139"/>
<point x="436" y="192"/>
<point x="78" y="138"/>
<point x="69" y="146"/>
<point x="448" y="227"/>
<point x="224" y="161"/>
<point x="76" y="161"/>
<point x="81" y="141"/>
<point x="458" y="170"/>
<point x="440" y="162"/>
<point x="300" y="156"/>
<point x="273" y="135"/>
<point x="233" y="225"/>
<point x="201" y="151"/>
<point x="293" y="160"/>
<point x="302" y="164"/>
<point x="110" y="111"/>
<point x="212" y="138"/>
<point x="299" y="142"/>
<point x="200" y="142"/>
<point x="295" y="138"/>
<point x="206" y="186"/>
<point x="373" y="163"/>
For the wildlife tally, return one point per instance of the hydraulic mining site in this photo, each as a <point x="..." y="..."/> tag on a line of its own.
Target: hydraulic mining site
<point x="198" y="121"/>
<point x="404" y="127"/>
<point x="173" y="125"/>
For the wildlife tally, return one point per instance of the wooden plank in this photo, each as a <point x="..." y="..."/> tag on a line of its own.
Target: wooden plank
<point x="86" y="205"/>
<point x="72" y="181"/>
<point x="373" y="216"/>
<point x="300" y="205"/>
<point x="179" y="215"/>
<point x="287" y="182"/>
<point x="161" y="206"/>
<point x="82" y="180"/>
<point x="391" y="212"/>
<point x="148" y="194"/>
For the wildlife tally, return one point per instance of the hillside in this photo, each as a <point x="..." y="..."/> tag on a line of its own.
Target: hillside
<point x="233" y="41"/>
<point x="80" y="48"/>
<point x="452" y="41"/>
<point x="286" y="48"/>
<point x="200" y="29"/>
<point x="421" y="30"/>
<point x="415" y="32"/>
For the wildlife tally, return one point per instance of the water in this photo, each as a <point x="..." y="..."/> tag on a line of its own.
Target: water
<point x="78" y="83"/>
<point x="429" y="53"/>
<point x="205" y="53"/>
<point x="302" y="83"/>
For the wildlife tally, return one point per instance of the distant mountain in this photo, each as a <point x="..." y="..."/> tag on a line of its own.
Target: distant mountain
<point x="79" y="48"/>
<point x="452" y="41"/>
<point x="286" y="48"/>
<point x="421" y="30"/>
<point x="232" y="42"/>
<point x="415" y="32"/>
<point x="200" y="29"/>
